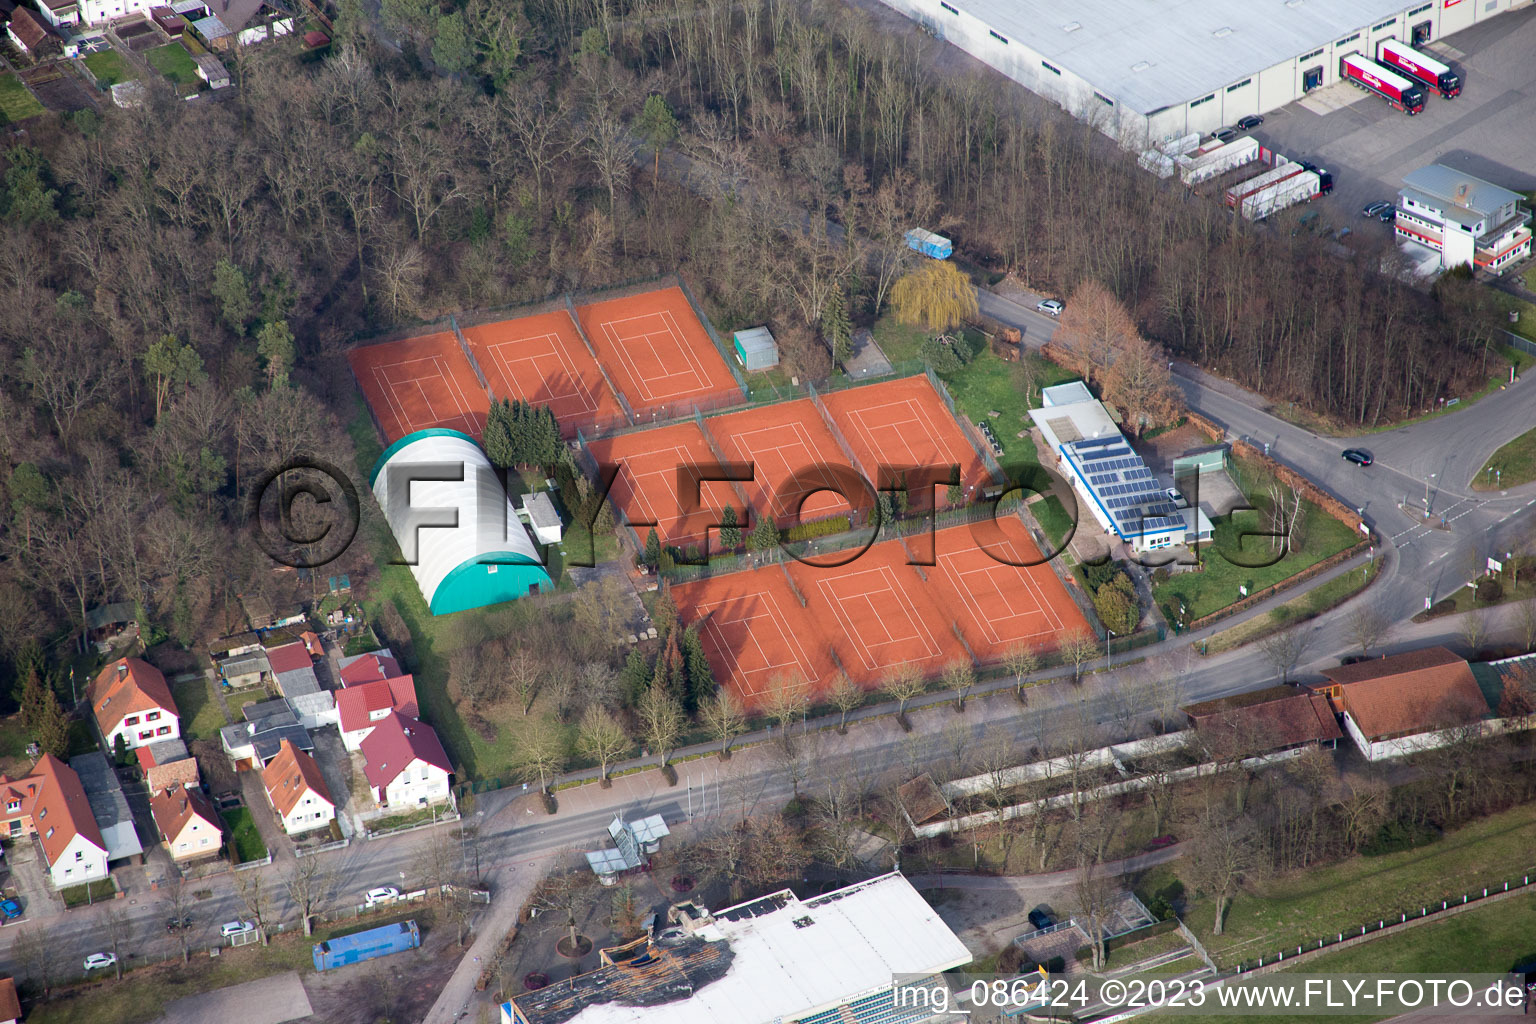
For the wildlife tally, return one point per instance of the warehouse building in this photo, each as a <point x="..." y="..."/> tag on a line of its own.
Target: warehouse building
<point x="1466" y="220"/>
<point x="1150" y="73"/>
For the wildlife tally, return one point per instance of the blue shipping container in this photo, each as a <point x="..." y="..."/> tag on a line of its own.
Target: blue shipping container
<point x="929" y="244"/>
<point x="360" y="946"/>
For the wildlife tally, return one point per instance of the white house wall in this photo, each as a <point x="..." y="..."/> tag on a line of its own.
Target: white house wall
<point x="90" y="866"/>
<point x="409" y="788"/>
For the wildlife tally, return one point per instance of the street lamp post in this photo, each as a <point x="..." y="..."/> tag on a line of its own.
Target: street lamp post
<point x="1108" y="633"/>
<point x="1427" y="480"/>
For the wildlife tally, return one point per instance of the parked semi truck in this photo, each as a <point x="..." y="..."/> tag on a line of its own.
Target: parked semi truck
<point x="1243" y="189"/>
<point x="1205" y="164"/>
<point x="1420" y="67"/>
<point x="930" y="244"/>
<point x="360" y="946"/>
<point x="1307" y="184"/>
<point x="1401" y="92"/>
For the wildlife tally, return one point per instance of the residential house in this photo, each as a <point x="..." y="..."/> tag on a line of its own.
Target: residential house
<point x="50" y="802"/>
<point x="405" y="763"/>
<point x="31" y="34"/>
<point x="187" y="821"/>
<point x="236" y="643"/>
<point x="10" y="1005"/>
<point x="165" y="763"/>
<point x="373" y="687"/>
<point x="297" y="791"/>
<point x="130" y="699"/>
<point x="253" y="743"/>
<point x="248" y="668"/>
<point x="1275" y="719"/>
<point x="59" y="13"/>
<point x="1405" y="703"/>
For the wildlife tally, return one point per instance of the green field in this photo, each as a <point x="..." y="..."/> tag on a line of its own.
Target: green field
<point x="1300" y="907"/>
<point x="1052" y="517"/>
<point x="109" y="68"/>
<point x="243" y="837"/>
<point x="201" y="715"/>
<point x="16" y="103"/>
<point x="1515" y="462"/>
<point x="1298" y="609"/>
<point x="175" y="63"/>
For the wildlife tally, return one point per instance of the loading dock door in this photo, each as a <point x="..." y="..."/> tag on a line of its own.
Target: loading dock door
<point x="1311" y="79"/>
<point x="1421" y="32"/>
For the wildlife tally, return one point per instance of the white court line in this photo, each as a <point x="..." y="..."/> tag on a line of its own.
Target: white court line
<point x="916" y="413"/>
<point x="389" y="388"/>
<point x="508" y="365"/>
<point x="621" y="345"/>
<point x="681" y="456"/>
<point x="972" y="598"/>
<point x="757" y="454"/>
<point x="900" y="600"/>
<point x="773" y="615"/>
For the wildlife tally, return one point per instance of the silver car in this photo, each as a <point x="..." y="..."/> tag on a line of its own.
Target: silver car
<point x="1051" y="307"/>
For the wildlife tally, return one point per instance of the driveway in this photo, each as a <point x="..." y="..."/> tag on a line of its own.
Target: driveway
<point x="265" y="1001"/>
<point x="336" y="765"/>
<point x="261" y="812"/>
<point x="30" y="877"/>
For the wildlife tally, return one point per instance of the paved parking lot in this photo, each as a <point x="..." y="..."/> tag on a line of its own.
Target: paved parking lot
<point x="265" y="1001"/>
<point x="1489" y="130"/>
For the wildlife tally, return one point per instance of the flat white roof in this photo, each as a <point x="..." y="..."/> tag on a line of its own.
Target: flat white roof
<point x="1443" y="184"/>
<point x="1069" y="393"/>
<point x="1174" y="43"/>
<point x="541" y="511"/>
<point x="793" y="957"/>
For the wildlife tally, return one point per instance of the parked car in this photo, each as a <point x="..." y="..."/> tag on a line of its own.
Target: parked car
<point x="1053" y="307"/>
<point x="383" y="894"/>
<point x="176" y="925"/>
<point x="1179" y="501"/>
<point x="1224" y="134"/>
<point x="1359" y="456"/>
<point x="1249" y="123"/>
<point x="1388" y="215"/>
<point x="11" y="909"/>
<point x="231" y="928"/>
<point x="97" y="960"/>
<point x="1374" y="210"/>
<point x="1042" y="917"/>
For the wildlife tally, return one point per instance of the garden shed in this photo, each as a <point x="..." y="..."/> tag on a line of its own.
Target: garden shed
<point x="756" y="349"/>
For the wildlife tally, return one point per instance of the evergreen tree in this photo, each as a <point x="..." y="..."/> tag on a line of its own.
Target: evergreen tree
<point x="120" y="749"/>
<point x="670" y="675"/>
<point x="765" y="534"/>
<point x="498" y="435"/>
<point x="837" y="327"/>
<point x="652" y="555"/>
<point x="53" y="728"/>
<point x="730" y="529"/>
<point x="636" y="676"/>
<point x="31" y="695"/>
<point x="701" y="679"/>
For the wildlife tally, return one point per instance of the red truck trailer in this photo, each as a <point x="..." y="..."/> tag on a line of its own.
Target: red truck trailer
<point x="1389" y="85"/>
<point x="1420" y="67"/>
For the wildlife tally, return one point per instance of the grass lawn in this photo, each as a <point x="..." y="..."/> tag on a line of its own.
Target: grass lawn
<point x="91" y="892"/>
<point x="175" y="63"/>
<point x="1231" y="560"/>
<point x="1529" y="277"/>
<point x="243" y="837"/>
<point x="395" y="821"/>
<point x="14" y="739"/>
<point x="1526" y="325"/>
<point x="1491" y="939"/>
<point x="1515" y="462"/>
<point x="898" y="341"/>
<point x="1301" y="907"/>
<point x="1298" y="609"/>
<point x="109" y="67"/>
<point x="1052" y="517"/>
<point x="201" y="715"/>
<point x="16" y="103"/>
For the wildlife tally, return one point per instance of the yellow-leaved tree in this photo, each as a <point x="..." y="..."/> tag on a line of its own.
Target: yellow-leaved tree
<point x="936" y="296"/>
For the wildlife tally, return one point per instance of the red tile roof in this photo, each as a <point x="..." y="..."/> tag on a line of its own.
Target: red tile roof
<point x="1270" y="719"/>
<point x="30" y="29"/>
<point x="126" y="687"/>
<point x="1409" y="693"/>
<point x="289" y="658"/>
<point x="290" y="775"/>
<point x="369" y="667"/>
<point x="10" y="1006"/>
<point x="61" y="810"/>
<point x="397" y="741"/>
<point x="357" y="702"/>
<point x="175" y="806"/>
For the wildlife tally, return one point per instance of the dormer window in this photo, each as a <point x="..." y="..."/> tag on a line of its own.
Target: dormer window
<point x="12" y="806"/>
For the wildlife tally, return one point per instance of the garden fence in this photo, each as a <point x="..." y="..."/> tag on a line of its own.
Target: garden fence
<point x="247" y="865"/>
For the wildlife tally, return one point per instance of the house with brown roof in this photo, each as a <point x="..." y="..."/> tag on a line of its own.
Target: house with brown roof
<point x="31" y="34"/>
<point x="130" y="698"/>
<point x="1278" y="718"/>
<point x="187" y="821"/>
<point x="297" y="791"/>
<point x="50" y="803"/>
<point x="10" y="1005"/>
<point x="405" y="763"/>
<point x="1405" y="703"/>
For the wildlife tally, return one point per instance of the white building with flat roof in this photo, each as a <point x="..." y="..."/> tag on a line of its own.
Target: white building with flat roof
<point x="1111" y="480"/>
<point x="830" y="959"/>
<point x="1466" y="220"/>
<point x="1152" y="72"/>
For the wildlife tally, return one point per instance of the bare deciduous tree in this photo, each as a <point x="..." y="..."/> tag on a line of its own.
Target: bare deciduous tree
<point x="310" y="884"/>
<point x="1021" y="660"/>
<point x="845" y="695"/>
<point x="1284" y="649"/>
<point x="602" y="738"/>
<point x="901" y="685"/>
<point x="724" y="718"/>
<point x="960" y="676"/>
<point x="1368" y="626"/>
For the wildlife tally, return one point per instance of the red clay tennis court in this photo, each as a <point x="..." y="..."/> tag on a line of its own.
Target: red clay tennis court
<point x="880" y="615"/>
<point x="903" y="423"/>
<point x="1000" y="605"/>
<point x="420" y="383"/>
<point x="755" y="632"/>
<point x="656" y="350"/>
<point x="788" y="446"/>
<point x="646" y="488"/>
<point x="541" y="359"/>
